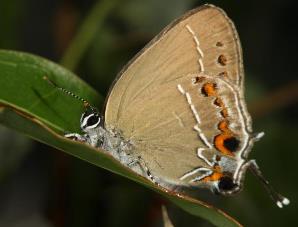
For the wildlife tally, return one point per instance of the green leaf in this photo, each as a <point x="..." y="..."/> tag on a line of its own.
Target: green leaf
<point x="23" y="87"/>
<point x="31" y="105"/>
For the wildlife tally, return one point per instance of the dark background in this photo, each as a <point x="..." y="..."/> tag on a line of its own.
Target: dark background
<point x="40" y="186"/>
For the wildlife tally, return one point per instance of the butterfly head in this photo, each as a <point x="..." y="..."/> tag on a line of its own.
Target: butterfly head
<point x="90" y="120"/>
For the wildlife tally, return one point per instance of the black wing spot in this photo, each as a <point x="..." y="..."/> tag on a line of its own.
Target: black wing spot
<point x="226" y="183"/>
<point x="232" y="144"/>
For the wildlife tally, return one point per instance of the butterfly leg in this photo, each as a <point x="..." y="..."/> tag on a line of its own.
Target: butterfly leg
<point x="91" y="140"/>
<point x="145" y="171"/>
<point x="77" y="137"/>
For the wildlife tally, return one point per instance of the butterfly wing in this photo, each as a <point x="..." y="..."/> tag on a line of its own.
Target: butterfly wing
<point x="155" y="102"/>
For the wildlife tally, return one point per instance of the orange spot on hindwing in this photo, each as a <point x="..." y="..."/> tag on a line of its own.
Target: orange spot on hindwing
<point x="219" y="142"/>
<point x="225" y="142"/>
<point x="216" y="175"/>
<point x="224" y="126"/>
<point x="224" y="111"/>
<point x="209" y="89"/>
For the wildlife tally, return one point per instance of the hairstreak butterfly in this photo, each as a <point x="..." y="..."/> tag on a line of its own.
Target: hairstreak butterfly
<point x="176" y="113"/>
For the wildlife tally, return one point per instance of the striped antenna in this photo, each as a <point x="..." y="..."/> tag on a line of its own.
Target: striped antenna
<point x="86" y="103"/>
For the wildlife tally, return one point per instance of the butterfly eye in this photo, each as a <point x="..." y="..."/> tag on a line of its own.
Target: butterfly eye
<point x="93" y="120"/>
<point x="226" y="184"/>
<point x="90" y="121"/>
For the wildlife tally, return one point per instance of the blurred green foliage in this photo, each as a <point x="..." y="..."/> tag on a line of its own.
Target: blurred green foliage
<point x="45" y="187"/>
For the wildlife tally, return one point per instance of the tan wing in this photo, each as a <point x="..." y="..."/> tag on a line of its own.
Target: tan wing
<point x="146" y="105"/>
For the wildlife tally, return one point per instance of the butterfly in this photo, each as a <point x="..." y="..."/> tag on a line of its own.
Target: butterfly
<point x="176" y="113"/>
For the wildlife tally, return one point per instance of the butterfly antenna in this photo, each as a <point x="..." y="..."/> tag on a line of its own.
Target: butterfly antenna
<point x="86" y="103"/>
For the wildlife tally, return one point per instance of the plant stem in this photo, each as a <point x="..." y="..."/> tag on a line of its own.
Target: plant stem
<point x="280" y="98"/>
<point x="86" y="33"/>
